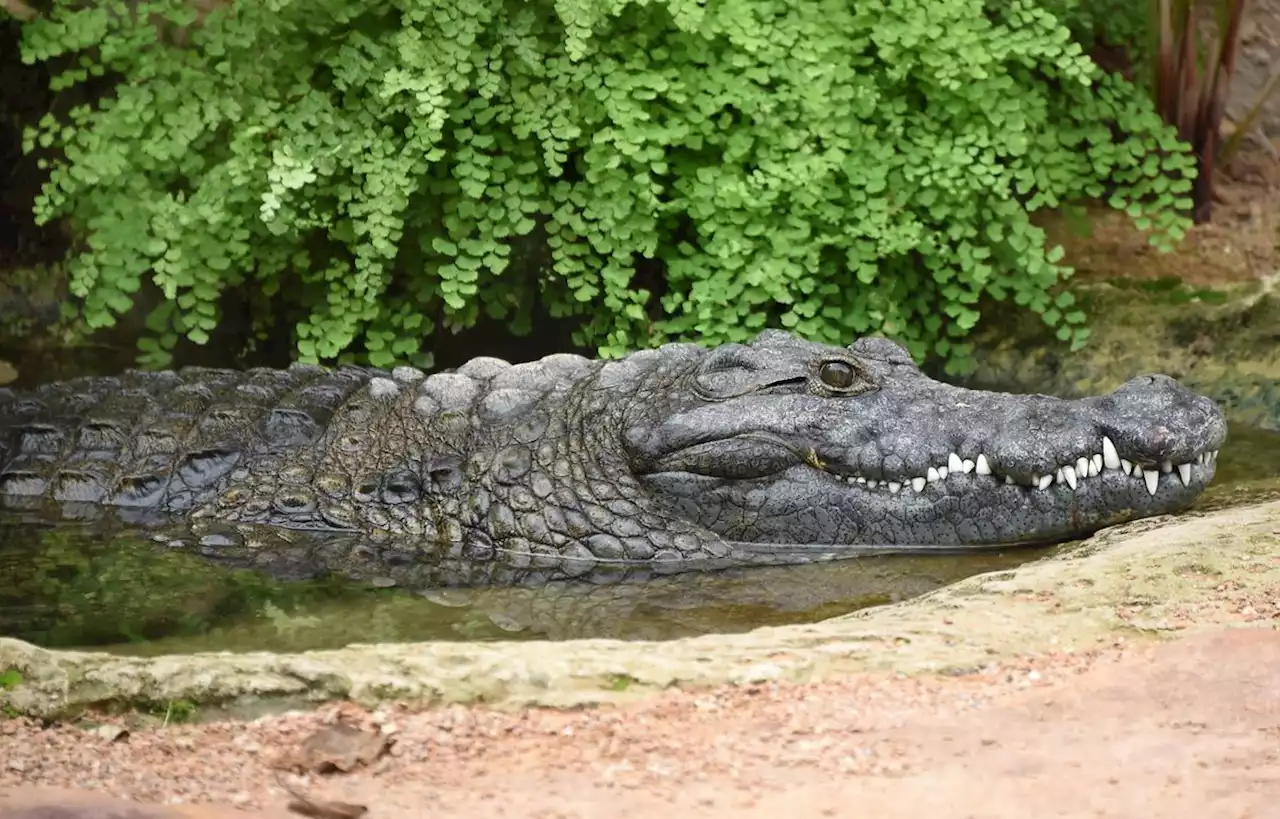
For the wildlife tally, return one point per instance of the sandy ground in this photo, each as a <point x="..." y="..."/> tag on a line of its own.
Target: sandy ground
<point x="1189" y="728"/>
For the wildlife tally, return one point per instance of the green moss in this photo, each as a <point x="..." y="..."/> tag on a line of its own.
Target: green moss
<point x="172" y="712"/>
<point x="621" y="682"/>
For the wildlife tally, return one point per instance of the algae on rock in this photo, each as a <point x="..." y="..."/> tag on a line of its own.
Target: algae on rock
<point x="1223" y="343"/>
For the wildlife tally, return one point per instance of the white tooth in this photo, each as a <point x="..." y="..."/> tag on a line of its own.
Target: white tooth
<point x="1152" y="478"/>
<point x="1200" y="459"/>
<point x="943" y="472"/>
<point x="1184" y="472"/>
<point x="1127" y="466"/>
<point x="1095" y="465"/>
<point x="917" y="484"/>
<point x="1110" y="457"/>
<point x="1046" y="482"/>
<point x="861" y="479"/>
<point x="1213" y="456"/>
<point x="954" y="464"/>
<point x="1082" y="467"/>
<point x="967" y="465"/>
<point x="1008" y="479"/>
<point x="932" y="475"/>
<point x="1070" y="475"/>
<point x="894" y="486"/>
<point x="1058" y="476"/>
<point x="1166" y="467"/>
<point x="981" y="466"/>
<point x="872" y="484"/>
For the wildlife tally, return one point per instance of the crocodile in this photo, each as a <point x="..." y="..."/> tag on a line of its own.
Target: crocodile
<point x="677" y="458"/>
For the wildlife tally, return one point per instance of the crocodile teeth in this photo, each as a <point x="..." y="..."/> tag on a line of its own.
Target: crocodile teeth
<point x="1070" y="474"/>
<point x="1110" y="457"/>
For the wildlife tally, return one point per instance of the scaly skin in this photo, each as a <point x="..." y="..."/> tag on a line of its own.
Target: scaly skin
<point x="673" y="459"/>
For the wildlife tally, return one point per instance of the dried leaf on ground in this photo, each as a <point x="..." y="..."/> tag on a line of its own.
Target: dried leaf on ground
<point x="341" y="747"/>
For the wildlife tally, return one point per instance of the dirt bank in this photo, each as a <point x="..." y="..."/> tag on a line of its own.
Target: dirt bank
<point x="1189" y="728"/>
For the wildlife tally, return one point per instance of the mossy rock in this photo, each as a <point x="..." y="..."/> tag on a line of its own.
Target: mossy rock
<point x="1223" y="343"/>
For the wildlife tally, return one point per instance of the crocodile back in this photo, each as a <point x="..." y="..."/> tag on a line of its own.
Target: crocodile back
<point x="161" y="443"/>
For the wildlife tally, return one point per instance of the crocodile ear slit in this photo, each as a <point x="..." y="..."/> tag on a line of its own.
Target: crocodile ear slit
<point x="730" y="357"/>
<point x="735" y="370"/>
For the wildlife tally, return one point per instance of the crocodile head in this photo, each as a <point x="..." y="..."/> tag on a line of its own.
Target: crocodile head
<point x="785" y="445"/>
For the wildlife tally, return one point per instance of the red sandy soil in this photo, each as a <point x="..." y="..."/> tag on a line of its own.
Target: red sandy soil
<point x="1188" y="728"/>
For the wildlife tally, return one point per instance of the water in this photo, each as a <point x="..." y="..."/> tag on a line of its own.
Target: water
<point x="65" y="587"/>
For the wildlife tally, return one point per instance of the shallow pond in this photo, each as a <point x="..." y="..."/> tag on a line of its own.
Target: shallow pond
<point x="65" y="587"/>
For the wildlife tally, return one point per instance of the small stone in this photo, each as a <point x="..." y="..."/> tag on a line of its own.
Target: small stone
<point x="760" y="672"/>
<point x="110" y="733"/>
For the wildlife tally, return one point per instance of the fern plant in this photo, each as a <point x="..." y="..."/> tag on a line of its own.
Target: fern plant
<point x="830" y="167"/>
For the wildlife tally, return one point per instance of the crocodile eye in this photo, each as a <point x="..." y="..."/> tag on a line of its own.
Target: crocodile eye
<point x="838" y="375"/>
